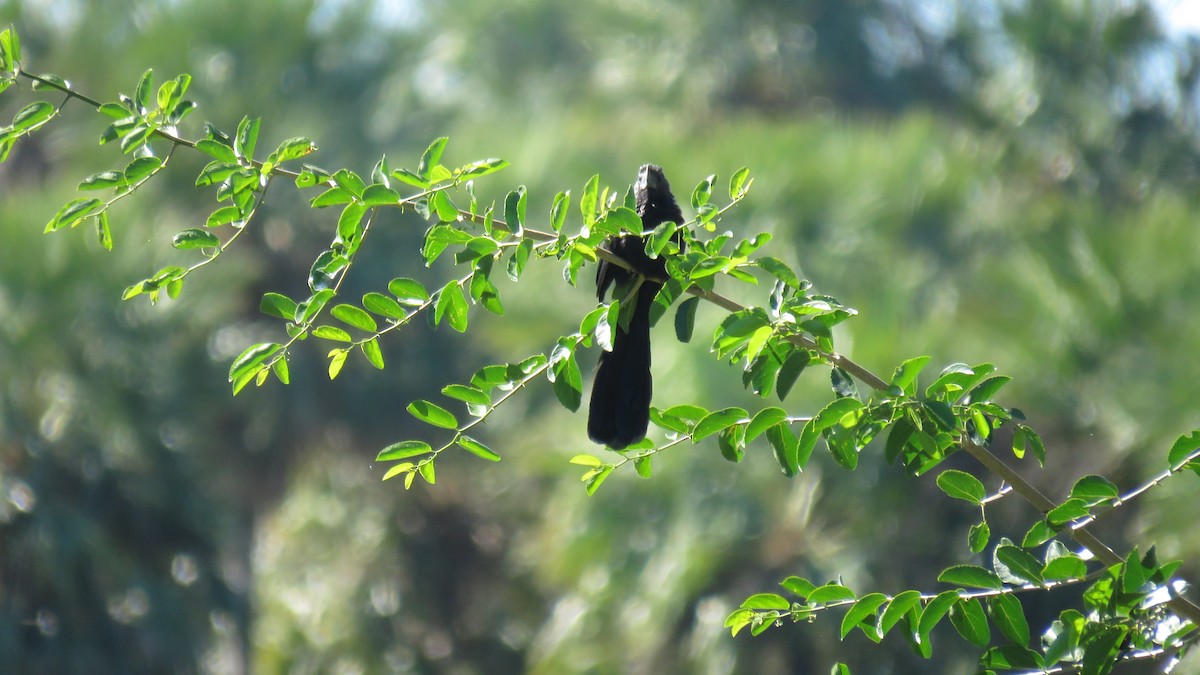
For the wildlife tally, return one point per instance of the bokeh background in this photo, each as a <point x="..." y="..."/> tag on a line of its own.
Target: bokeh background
<point x="985" y="180"/>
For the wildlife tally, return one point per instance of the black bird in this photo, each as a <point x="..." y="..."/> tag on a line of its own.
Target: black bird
<point x="620" y="409"/>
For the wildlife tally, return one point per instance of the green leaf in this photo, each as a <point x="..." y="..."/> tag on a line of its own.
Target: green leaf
<point x="103" y="231"/>
<point x="348" y="226"/>
<point x="72" y="213"/>
<point x="440" y="203"/>
<point x="703" y="192"/>
<point x="897" y="609"/>
<point x="1065" y="567"/>
<point x="1185" y="452"/>
<point x="293" y="148"/>
<point x="379" y="195"/>
<point x="452" y="306"/>
<point x="196" y="238"/>
<point x="32" y="116"/>
<point x="716" y="421"/>
<point x="478" y="449"/>
<point x="971" y="576"/>
<point x="789" y="372"/>
<point x="403" y="450"/>
<point x="334" y="196"/>
<point x="427" y="471"/>
<point x="968" y="618"/>
<point x="761" y="601"/>
<point x="141" y="168"/>
<point x="433" y="414"/>
<point x="102" y="180"/>
<point x="798" y="586"/>
<point x="558" y="210"/>
<point x="431" y="157"/>
<point x="863" y="608"/>
<point x="685" y="319"/>
<point x="332" y="333"/>
<point x="374" y="354"/>
<point x="586" y="460"/>
<point x="217" y="150"/>
<point x="246" y="138"/>
<point x="408" y="291"/>
<point x="278" y="305"/>
<point x="738" y="183"/>
<point x="905" y="377"/>
<point x="934" y="612"/>
<point x="482" y="168"/>
<point x="595" y="481"/>
<point x="762" y="420"/>
<point x="1009" y="617"/>
<point x="352" y="315"/>
<point x="568" y="382"/>
<point x="823" y="595"/>
<point x="978" y="536"/>
<point x="779" y="270"/>
<point x="514" y="210"/>
<point x="1093" y="489"/>
<point x="1014" y="565"/>
<point x="587" y="200"/>
<point x="1071" y="509"/>
<point x="337" y="359"/>
<point x="1037" y="535"/>
<point x="790" y="453"/>
<point x="961" y="485"/>
<point x="141" y="95"/>
<point x="251" y="359"/>
<point x="383" y="305"/>
<point x="660" y="238"/>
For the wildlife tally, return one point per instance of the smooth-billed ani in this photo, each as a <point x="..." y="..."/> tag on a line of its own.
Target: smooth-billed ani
<point x="619" y="412"/>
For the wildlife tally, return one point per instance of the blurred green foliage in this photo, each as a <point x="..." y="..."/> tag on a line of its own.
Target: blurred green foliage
<point x="1010" y="182"/>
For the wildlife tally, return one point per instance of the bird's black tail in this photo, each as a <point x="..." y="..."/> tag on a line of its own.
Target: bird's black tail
<point x="619" y="412"/>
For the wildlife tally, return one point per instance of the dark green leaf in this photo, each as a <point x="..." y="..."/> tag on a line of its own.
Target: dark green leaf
<point x="1185" y="452"/>
<point x="32" y="116"/>
<point x="1065" y="567"/>
<point x="978" y="536"/>
<point x="1037" y="535"/>
<point x="779" y="270"/>
<point x="968" y="618"/>
<point x="703" y="192"/>
<point x="1009" y="617"/>
<point x="793" y="365"/>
